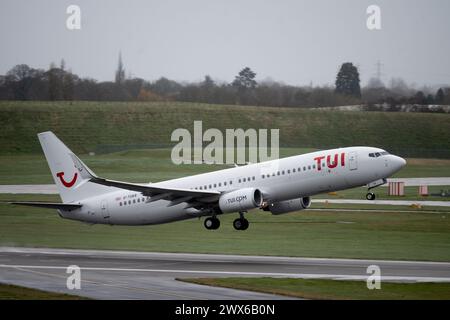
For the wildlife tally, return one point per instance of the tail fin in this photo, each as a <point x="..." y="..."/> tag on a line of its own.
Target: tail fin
<point x="72" y="183"/>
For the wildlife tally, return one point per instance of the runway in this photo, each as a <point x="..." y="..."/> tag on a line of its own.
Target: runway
<point x="147" y="275"/>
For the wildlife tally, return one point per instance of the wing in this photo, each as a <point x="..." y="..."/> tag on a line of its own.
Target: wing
<point x="158" y="193"/>
<point x="51" y="205"/>
<point x="194" y="198"/>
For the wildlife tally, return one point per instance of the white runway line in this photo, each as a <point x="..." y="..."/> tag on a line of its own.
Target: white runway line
<point x="212" y="257"/>
<point x="265" y="274"/>
<point x="28" y="188"/>
<point x="385" y="202"/>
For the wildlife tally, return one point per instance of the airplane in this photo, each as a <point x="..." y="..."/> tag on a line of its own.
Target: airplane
<point x="278" y="186"/>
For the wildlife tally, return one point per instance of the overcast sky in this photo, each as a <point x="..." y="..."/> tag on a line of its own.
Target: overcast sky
<point x="297" y="42"/>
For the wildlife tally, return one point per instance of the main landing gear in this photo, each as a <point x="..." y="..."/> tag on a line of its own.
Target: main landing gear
<point x="241" y="223"/>
<point x="212" y="223"/>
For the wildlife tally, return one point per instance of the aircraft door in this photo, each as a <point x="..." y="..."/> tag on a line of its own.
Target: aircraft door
<point x="353" y="160"/>
<point x="104" y="209"/>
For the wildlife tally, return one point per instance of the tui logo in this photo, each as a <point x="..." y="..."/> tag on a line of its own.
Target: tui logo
<point x="66" y="184"/>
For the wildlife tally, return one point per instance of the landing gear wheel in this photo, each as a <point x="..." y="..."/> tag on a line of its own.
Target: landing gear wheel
<point x="370" y="196"/>
<point x="240" y="224"/>
<point x="211" y="223"/>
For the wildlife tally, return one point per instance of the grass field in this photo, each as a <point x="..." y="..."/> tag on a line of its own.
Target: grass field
<point x="333" y="289"/>
<point x="11" y="292"/>
<point x="97" y="126"/>
<point x="385" y="234"/>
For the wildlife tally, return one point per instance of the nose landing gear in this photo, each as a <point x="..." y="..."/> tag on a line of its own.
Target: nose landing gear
<point x="370" y="196"/>
<point x="374" y="184"/>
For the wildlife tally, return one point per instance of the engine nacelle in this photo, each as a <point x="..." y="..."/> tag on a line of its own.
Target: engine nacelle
<point x="290" y="205"/>
<point x="240" y="200"/>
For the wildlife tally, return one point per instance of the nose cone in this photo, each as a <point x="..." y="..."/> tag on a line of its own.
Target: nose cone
<point x="398" y="163"/>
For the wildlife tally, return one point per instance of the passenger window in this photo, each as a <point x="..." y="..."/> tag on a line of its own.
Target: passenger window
<point x="231" y="182"/>
<point x="225" y="183"/>
<point x="215" y="185"/>
<point x="239" y="180"/>
<point x="309" y="167"/>
<point x="253" y="178"/>
<point x="129" y="201"/>
<point x="278" y="173"/>
<point x="282" y="172"/>
<point x="262" y="176"/>
<point x="220" y="184"/>
<point x="120" y="203"/>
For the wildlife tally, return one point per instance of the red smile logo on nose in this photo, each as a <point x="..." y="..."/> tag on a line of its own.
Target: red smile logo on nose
<point x="66" y="184"/>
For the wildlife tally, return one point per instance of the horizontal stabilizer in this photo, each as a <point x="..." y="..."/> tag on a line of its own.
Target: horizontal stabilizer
<point x="51" y="205"/>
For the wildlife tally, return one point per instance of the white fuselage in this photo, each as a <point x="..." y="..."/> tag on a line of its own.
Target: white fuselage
<point x="278" y="180"/>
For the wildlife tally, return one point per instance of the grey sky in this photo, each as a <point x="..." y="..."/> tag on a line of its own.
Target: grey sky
<point x="291" y="41"/>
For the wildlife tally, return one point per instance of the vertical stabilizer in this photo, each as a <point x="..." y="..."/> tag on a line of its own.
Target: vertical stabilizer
<point x="73" y="185"/>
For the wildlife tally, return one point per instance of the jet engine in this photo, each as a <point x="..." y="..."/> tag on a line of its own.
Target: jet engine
<point x="289" y="205"/>
<point x="240" y="200"/>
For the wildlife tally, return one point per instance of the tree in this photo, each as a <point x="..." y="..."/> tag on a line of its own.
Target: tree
<point x="419" y="98"/>
<point x="68" y="85"/>
<point x="439" y="99"/>
<point x="245" y="84"/>
<point x="347" y="81"/>
<point x="165" y="87"/>
<point x="120" y="72"/>
<point x="207" y="88"/>
<point x="20" y="79"/>
<point x="245" y="79"/>
<point x="55" y="85"/>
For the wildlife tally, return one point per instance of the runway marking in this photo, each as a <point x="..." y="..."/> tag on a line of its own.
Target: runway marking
<point x="273" y="274"/>
<point x="114" y="284"/>
<point x="92" y="253"/>
<point x="428" y="203"/>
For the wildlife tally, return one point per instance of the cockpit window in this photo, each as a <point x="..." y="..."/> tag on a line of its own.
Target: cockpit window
<point x="378" y="154"/>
